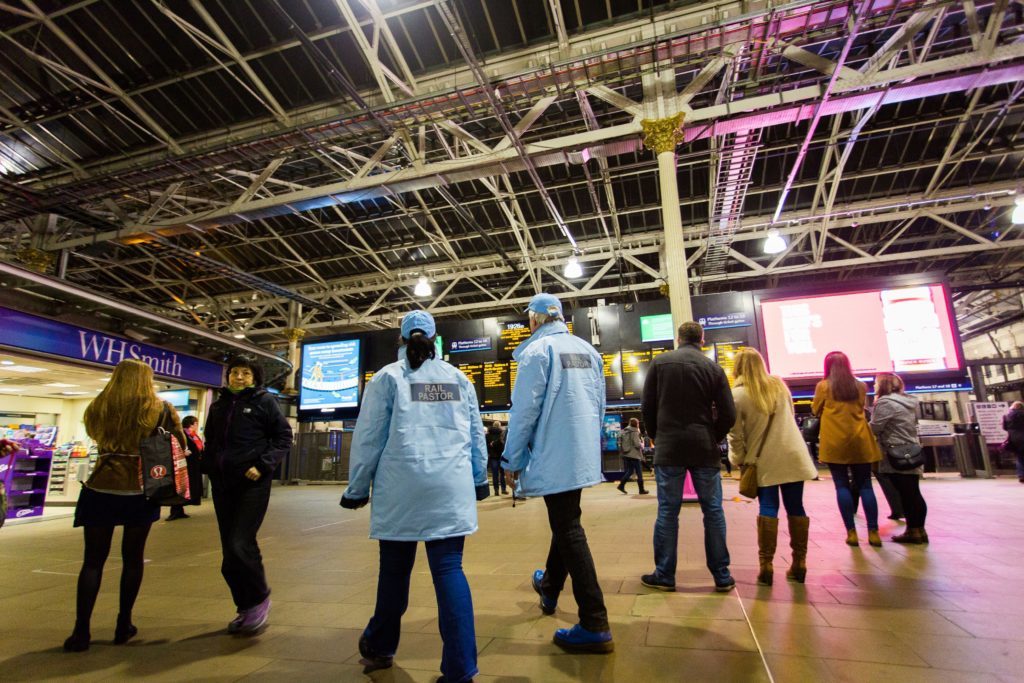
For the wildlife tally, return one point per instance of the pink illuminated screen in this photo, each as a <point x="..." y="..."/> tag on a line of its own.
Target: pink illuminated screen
<point x="905" y="330"/>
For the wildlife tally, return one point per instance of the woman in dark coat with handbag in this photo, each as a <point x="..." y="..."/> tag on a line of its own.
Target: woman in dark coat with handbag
<point x="894" y="422"/>
<point x="126" y="412"/>
<point x="195" y="474"/>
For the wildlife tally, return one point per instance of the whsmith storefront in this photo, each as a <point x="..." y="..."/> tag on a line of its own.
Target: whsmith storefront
<point x="51" y="370"/>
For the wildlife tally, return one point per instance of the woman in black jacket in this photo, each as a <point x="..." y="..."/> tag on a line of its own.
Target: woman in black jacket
<point x="1013" y="424"/>
<point x="247" y="436"/>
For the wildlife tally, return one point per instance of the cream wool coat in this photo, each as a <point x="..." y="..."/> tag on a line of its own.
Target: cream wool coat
<point x="784" y="457"/>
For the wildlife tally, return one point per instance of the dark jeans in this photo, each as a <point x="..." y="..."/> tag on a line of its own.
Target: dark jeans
<point x="708" y="483"/>
<point x="853" y="482"/>
<point x="792" y="498"/>
<point x="909" y="488"/>
<point x="497" y="474"/>
<point x="892" y="495"/>
<point x="240" y="505"/>
<point x="1020" y="466"/>
<point x="631" y="466"/>
<point x="454" y="603"/>
<point x="569" y="555"/>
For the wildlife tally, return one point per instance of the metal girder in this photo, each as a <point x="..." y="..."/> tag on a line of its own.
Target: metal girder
<point x="781" y="108"/>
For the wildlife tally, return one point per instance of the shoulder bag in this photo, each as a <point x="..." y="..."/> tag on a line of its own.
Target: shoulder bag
<point x="811" y="429"/>
<point x="164" y="466"/>
<point x="748" y="473"/>
<point x="904" y="457"/>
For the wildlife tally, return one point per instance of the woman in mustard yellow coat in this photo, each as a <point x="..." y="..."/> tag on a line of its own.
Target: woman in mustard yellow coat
<point x="847" y="444"/>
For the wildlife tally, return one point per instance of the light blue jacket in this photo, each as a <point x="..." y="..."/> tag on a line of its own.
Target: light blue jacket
<point x="554" y="428"/>
<point x="420" y="441"/>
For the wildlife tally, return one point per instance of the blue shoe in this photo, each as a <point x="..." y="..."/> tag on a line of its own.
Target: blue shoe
<point x="579" y="639"/>
<point x="655" y="581"/>
<point x="547" y="605"/>
<point x="725" y="587"/>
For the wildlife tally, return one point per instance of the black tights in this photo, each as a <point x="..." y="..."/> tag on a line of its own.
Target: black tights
<point x="97" y="548"/>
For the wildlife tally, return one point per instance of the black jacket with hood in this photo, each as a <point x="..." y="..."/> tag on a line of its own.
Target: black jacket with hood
<point x="245" y="430"/>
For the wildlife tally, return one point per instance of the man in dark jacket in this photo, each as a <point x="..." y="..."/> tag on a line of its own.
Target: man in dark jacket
<point x="495" y="446"/>
<point x="688" y="409"/>
<point x="247" y="436"/>
<point x="1013" y="423"/>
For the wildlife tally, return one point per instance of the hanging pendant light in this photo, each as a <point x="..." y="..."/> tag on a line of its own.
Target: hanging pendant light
<point x="423" y="287"/>
<point x="774" y="243"/>
<point x="573" y="269"/>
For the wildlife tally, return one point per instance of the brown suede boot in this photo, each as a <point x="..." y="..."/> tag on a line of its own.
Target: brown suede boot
<point x="799" y="529"/>
<point x="767" y="538"/>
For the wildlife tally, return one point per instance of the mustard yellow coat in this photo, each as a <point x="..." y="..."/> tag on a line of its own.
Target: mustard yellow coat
<point x="846" y="437"/>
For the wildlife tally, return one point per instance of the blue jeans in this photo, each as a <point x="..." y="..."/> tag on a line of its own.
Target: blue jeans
<point x="708" y="482"/>
<point x="454" y="603"/>
<point x="792" y="498"/>
<point x="853" y="482"/>
<point x="497" y="475"/>
<point x="631" y="466"/>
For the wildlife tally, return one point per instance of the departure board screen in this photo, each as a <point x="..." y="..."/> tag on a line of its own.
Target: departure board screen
<point x="725" y="355"/>
<point x="367" y="376"/>
<point x="511" y="334"/>
<point x="513" y="370"/>
<point x="474" y="373"/>
<point x="634" y="371"/>
<point x="497" y="387"/>
<point x="612" y="376"/>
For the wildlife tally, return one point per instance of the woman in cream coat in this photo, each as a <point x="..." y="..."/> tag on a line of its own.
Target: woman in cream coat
<point x="766" y="433"/>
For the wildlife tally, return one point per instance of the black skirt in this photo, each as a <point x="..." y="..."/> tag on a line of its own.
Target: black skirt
<point x="109" y="509"/>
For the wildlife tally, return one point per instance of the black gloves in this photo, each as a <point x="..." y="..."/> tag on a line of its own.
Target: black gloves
<point x="482" y="491"/>
<point x="354" y="503"/>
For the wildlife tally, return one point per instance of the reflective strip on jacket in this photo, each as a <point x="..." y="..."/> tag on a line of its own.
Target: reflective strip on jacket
<point x="554" y="428"/>
<point x="420" y="442"/>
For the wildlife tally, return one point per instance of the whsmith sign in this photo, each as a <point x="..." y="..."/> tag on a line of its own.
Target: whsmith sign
<point x="32" y="333"/>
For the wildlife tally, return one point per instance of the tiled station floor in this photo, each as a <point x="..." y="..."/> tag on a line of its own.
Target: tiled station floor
<point x="951" y="611"/>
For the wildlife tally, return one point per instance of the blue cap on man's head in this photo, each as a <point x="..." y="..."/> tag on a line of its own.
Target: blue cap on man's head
<point x="545" y="304"/>
<point x="418" y="320"/>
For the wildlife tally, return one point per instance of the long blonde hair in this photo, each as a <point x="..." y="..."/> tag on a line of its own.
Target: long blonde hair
<point x="126" y="410"/>
<point x="764" y="389"/>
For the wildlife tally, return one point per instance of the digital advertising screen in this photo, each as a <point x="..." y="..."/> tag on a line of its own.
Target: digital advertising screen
<point x="906" y="330"/>
<point x="330" y="375"/>
<point x="656" y="328"/>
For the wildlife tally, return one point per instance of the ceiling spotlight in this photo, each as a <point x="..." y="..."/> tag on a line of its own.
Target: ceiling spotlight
<point x="422" y="287"/>
<point x="987" y="207"/>
<point x="573" y="269"/>
<point x="1017" y="217"/>
<point x="775" y="242"/>
<point x="239" y="335"/>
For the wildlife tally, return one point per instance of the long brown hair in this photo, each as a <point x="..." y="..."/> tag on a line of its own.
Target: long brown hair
<point x="841" y="382"/>
<point x="763" y="388"/>
<point x="126" y="410"/>
<point x="887" y="383"/>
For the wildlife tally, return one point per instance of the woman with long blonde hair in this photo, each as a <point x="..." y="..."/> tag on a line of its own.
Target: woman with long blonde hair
<point x="126" y="411"/>
<point x="766" y="434"/>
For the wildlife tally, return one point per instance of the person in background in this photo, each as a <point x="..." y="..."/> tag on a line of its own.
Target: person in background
<point x="195" y="474"/>
<point x="766" y="434"/>
<point x="632" y="455"/>
<point x="126" y="412"/>
<point x="846" y="443"/>
<point x="553" y="447"/>
<point x="688" y="408"/>
<point x="1013" y="424"/>
<point x="419" y="444"/>
<point x="7" y="451"/>
<point x="495" y="445"/>
<point x="889" y="491"/>
<point x="247" y="436"/>
<point x="894" y="422"/>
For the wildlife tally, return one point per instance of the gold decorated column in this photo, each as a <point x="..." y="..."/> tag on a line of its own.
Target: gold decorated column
<point x="662" y="136"/>
<point x="294" y="336"/>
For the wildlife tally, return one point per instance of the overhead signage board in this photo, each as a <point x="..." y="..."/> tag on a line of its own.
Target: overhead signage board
<point x="724" y="321"/>
<point x="656" y="328"/>
<point x="42" y="335"/>
<point x="475" y="344"/>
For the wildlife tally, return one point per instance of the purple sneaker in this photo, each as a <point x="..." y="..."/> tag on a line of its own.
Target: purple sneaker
<point x="236" y="623"/>
<point x="255" y="618"/>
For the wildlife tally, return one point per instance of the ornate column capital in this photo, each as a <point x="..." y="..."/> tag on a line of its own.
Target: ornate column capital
<point x="294" y="334"/>
<point x="663" y="135"/>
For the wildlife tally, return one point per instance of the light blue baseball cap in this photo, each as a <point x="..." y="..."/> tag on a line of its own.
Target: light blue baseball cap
<point x="418" y="320"/>
<point x="545" y="304"/>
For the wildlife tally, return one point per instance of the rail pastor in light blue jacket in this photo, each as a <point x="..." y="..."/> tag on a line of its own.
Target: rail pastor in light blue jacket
<point x="554" y="427"/>
<point x="420" y="441"/>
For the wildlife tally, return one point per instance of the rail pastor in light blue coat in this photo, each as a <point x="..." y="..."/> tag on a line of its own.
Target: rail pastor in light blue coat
<point x="554" y="428"/>
<point x="420" y="441"/>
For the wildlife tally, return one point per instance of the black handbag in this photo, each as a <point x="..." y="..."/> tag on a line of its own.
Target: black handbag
<point x="811" y="429"/>
<point x="905" y="456"/>
<point x="156" y="453"/>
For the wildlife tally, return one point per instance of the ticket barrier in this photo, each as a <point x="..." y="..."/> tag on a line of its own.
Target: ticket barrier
<point x="967" y="453"/>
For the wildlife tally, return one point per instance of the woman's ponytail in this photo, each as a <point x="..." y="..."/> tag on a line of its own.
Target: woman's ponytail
<point x="418" y="348"/>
